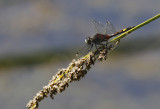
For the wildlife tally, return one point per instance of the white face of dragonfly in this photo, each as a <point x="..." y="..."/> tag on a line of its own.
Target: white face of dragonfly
<point x="88" y="41"/>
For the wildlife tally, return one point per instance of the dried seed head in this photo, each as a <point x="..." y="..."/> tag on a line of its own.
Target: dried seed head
<point x="75" y="71"/>
<point x="103" y="55"/>
<point x="51" y="96"/>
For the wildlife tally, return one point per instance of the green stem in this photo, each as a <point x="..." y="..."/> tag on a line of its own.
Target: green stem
<point x="135" y="28"/>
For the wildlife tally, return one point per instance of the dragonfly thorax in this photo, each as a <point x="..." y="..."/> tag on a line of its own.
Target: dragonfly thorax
<point x="96" y="39"/>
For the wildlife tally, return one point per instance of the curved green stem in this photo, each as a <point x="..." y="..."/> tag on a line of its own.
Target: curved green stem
<point x="135" y="28"/>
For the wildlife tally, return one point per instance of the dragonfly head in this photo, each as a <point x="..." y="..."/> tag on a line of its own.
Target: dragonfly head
<point x="88" y="40"/>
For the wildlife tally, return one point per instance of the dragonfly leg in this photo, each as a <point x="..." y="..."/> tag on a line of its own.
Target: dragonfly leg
<point x="90" y="47"/>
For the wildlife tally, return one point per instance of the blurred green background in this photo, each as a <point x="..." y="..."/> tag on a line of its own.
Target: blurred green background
<point x="38" y="37"/>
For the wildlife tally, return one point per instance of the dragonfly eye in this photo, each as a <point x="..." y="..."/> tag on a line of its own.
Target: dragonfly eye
<point x="88" y="41"/>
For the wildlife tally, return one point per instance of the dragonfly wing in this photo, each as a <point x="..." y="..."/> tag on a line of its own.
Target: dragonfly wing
<point x="110" y="30"/>
<point x="83" y="51"/>
<point x="99" y="28"/>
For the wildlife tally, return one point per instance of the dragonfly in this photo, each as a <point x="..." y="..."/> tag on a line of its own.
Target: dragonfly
<point x="103" y="34"/>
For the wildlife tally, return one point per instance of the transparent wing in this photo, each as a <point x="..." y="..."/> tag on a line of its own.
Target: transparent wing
<point x="99" y="28"/>
<point x="109" y="28"/>
<point x="83" y="51"/>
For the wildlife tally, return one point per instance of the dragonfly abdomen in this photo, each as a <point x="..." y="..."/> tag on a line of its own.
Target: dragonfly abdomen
<point x="122" y="31"/>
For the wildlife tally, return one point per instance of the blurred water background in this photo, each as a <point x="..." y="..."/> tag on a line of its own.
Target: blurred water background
<point x="38" y="37"/>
